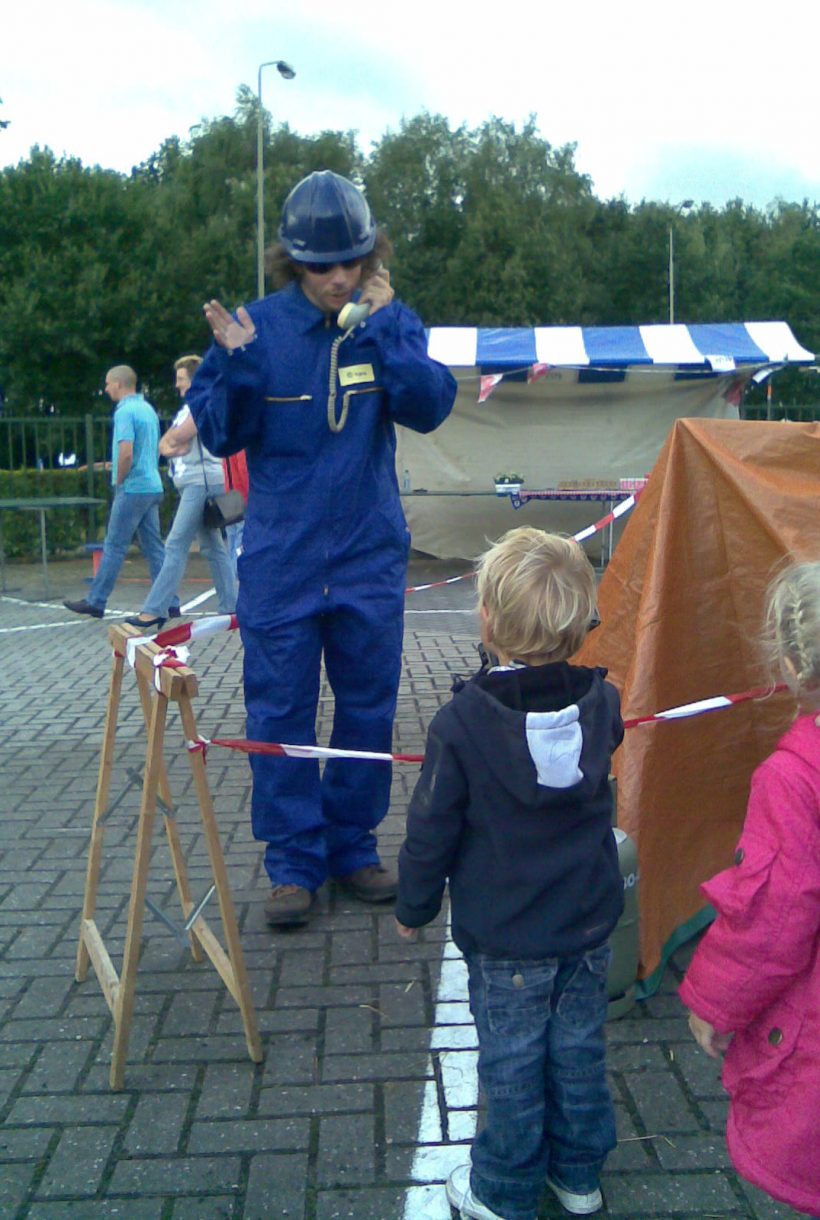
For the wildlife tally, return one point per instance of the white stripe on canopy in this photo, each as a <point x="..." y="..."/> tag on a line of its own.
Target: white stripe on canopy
<point x="777" y="340"/>
<point x="453" y="345"/>
<point x="560" y="345"/>
<point x="670" y="345"/>
<point x="719" y="347"/>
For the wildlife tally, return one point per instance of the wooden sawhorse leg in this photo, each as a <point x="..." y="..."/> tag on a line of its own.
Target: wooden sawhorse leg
<point x="123" y="1011"/>
<point x="171" y="828"/>
<point x="119" y="990"/>
<point x="231" y="966"/>
<point x="91" y="945"/>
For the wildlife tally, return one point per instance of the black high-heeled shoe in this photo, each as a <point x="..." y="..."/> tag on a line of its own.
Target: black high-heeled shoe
<point x="134" y="620"/>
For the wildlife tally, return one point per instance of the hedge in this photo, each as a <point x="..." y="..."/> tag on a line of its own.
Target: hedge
<point x="67" y="529"/>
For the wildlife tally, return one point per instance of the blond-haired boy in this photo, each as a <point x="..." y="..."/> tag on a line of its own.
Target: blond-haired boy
<point x="513" y="808"/>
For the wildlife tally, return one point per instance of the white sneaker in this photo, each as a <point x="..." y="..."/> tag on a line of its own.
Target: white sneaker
<point x="577" y="1205"/>
<point x="462" y="1198"/>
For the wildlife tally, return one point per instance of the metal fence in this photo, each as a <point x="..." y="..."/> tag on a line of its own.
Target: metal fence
<point x="54" y="455"/>
<point x="56" y="442"/>
<point x="795" y="413"/>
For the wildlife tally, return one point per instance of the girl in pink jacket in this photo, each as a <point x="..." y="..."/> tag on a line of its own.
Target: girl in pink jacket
<point x="753" y="987"/>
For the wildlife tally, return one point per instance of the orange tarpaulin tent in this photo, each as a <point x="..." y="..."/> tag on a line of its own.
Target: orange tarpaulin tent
<point x="681" y="605"/>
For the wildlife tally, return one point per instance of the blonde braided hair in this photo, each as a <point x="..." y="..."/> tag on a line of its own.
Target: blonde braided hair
<point x="793" y="630"/>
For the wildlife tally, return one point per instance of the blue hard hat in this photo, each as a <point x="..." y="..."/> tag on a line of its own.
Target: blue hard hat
<point x="326" y="219"/>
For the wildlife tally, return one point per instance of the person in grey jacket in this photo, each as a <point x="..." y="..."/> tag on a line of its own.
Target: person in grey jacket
<point x="513" y="808"/>
<point x="196" y="474"/>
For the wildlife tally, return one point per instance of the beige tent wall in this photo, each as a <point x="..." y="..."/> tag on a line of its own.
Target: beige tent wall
<point x="552" y="430"/>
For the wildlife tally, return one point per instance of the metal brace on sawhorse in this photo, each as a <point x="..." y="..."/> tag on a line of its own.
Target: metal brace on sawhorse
<point x="177" y="686"/>
<point x="180" y="934"/>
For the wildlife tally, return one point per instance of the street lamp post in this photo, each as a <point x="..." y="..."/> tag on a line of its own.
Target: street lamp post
<point x="287" y="73"/>
<point x="682" y="207"/>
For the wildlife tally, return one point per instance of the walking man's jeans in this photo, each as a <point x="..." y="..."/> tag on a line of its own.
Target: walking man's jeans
<point x="233" y="541"/>
<point x="541" y="1064"/>
<point x="131" y="513"/>
<point x="188" y="525"/>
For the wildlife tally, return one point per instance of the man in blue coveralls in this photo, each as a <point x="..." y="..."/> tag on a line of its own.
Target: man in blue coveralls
<point x="324" y="559"/>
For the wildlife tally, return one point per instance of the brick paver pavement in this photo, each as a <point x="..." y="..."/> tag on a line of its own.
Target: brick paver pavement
<point x="358" y="1109"/>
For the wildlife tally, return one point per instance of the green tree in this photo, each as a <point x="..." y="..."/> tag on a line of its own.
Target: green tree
<point x="415" y="185"/>
<point x="488" y="224"/>
<point x="72" y="300"/>
<point x="492" y="226"/>
<point x="203" y="201"/>
<point x="97" y="268"/>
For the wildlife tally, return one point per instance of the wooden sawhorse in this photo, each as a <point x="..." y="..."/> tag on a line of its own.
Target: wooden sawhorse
<point x="157" y="687"/>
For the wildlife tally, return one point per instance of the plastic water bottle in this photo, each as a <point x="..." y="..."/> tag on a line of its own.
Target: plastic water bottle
<point x="405" y="480"/>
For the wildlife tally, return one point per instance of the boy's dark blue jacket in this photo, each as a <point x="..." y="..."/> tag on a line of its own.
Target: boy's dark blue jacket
<point x="513" y="807"/>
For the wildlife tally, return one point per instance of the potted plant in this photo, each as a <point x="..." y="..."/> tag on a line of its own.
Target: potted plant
<point x="508" y="483"/>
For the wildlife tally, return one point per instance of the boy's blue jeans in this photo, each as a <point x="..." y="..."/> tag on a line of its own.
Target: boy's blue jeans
<point x="541" y="1063"/>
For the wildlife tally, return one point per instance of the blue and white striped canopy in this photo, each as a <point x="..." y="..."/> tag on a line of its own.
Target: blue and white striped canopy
<point x="713" y="347"/>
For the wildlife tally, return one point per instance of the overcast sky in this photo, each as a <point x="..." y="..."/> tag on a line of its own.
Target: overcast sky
<point x="710" y="100"/>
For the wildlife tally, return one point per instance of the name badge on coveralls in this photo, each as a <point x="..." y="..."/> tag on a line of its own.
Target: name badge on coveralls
<point x="355" y="374"/>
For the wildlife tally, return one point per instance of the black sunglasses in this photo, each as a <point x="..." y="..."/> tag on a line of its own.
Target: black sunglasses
<point x="326" y="268"/>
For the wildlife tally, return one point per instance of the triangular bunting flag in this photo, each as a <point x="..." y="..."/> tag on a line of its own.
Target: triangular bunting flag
<point x="488" y="384"/>
<point x="734" y="393"/>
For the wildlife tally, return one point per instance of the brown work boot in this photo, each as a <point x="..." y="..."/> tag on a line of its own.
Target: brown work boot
<point x="288" y="906"/>
<point x="373" y="883"/>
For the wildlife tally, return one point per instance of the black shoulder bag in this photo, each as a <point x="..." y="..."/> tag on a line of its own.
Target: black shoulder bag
<point x="222" y="508"/>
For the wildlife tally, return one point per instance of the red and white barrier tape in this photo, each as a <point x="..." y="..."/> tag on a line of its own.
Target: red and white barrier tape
<point x="706" y="705"/>
<point x="439" y="584"/>
<point x="172" y="658"/>
<point x="169" y="658"/>
<point x="617" y="511"/>
<point x="620" y="509"/>
<point x="186" y="632"/>
<point x="279" y="749"/>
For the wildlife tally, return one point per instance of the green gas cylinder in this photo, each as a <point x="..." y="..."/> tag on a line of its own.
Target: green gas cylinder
<point x="623" y="969"/>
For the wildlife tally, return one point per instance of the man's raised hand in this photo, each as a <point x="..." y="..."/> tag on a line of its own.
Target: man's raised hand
<point x="229" y="332"/>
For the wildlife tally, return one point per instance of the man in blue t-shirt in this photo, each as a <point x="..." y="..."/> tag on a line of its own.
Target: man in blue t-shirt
<point x="138" y="490"/>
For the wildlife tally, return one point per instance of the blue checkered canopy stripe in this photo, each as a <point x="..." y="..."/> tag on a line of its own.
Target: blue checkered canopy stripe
<point x="710" y="347"/>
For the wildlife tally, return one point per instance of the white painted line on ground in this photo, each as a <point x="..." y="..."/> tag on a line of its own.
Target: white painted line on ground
<point x="109" y="617"/>
<point x="44" y="626"/>
<point x="453" y="1039"/>
<point x="21" y="601"/>
<point x="197" y="601"/>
